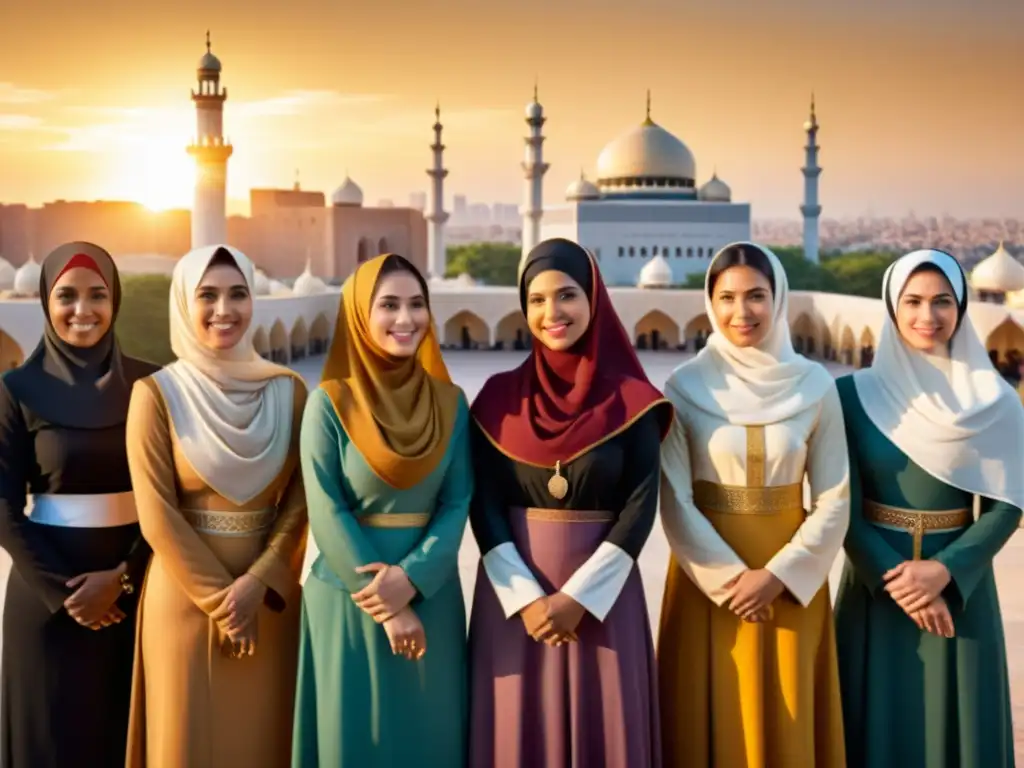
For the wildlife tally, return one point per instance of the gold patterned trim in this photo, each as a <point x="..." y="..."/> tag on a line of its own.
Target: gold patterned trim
<point x="756" y="457"/>
<point x="242" y="523"/>
<point x="742" y="500"/>
<point x="917" y="522"/>
<point x="395" y="520"/>
<point x="567" y="515"/>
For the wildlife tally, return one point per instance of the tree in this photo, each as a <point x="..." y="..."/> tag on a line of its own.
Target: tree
<point x="143" y="323"/>
<point x="491" y="263"/>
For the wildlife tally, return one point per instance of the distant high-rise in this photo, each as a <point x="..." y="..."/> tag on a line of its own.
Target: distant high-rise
<point x="811" y="209"/>
<point x="534" y="168"/>
<point x="211" y="152"/>
<point x="436" y="256"/>
<point x="418" y="200"/>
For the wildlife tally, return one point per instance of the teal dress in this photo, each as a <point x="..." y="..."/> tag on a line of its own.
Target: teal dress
<point x="358" y="705"/>
<point x="912" y="699"/>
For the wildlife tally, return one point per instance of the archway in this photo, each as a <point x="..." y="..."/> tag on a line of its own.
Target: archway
<point x="466" y="331"/>
<point x="299" y="340"/>
<point x="698" y="329"/>
<point x="847" y="346"/>
<point x="512" y="332"/>
<point x="827" y="348"/>
<point x="658" y="330"/>
<point x="363" y="251"/>
<point x="319" y="335"/>
<point x="867" y="348"/>
<point x="804" y="335"/>
<point x="279" y="343"/>
<point x="382" y="246"/>
<point x="11" y="355"/>
<point x="1006" y="341"/>
<point x="261" y="341"/>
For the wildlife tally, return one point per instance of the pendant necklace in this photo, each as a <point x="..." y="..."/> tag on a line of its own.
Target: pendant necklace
<point x="558" y="486"/>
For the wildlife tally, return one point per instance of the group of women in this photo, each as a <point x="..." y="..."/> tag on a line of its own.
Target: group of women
<point x="157" y="523"/>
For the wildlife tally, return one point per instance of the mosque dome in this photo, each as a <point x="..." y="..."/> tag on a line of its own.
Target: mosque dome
<point x="999" y="273"/>
<point x="6" y="275"/>
<point x="277" y="288"/>
<point x="581" y="189"/>
<point x="349" y="193"/>
<point x="209" y="63"/>
<point x="308" y="284"/>
<point x="715" y="191"/>
<point x="656" y="273"/>
<point x="646" y="159"/>
<point x="26" y="278"/>
<point x="262" y="284"/>
<point x="534" y="110"/>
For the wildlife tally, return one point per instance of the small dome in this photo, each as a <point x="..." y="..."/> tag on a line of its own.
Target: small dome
<point x="999" y="273"/>
<point x="534" y="110"/>
<point x="715" y="191"/>
<point x="348" y="193"/>
<point x="308" y="284"/>
<point x="646" y="155"/>
<point x="277" y="288"/>
<point x="6" y="275"/>
<point x="656" y="273"/>
<point x="581" y="189"/>
<point x="26" y="278"/>
<point x="209" y="63"/>
<point x="262" y="284"/>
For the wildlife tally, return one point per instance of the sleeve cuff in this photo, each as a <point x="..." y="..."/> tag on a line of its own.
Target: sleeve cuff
<point x="277" y="577"/>
<point x="802" y="577"/>
<point x="512" y="580"/>
<point x="597" y="583"/>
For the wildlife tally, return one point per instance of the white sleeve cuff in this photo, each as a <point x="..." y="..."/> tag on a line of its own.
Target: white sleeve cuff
<point x="597" y="583"/>
<point x="512" y="580"/>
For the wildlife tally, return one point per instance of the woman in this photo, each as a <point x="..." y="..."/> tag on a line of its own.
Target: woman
<point x="567" y="460"/>
<point x="385" y="456"/>
<point x="930" y="426"/>
<point x="746" y="653"/>
<point x="69" y="614"/>
<point x="213" y="450"/>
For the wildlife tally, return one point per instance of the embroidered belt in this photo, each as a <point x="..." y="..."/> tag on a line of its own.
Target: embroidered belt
<point x="567" y="515"/>
<point x="395" y="520"/>
<point x="84" y="510"/>
<point x="917" y="522"/>
<point x="745" y="500"/>
<point x="241" y="523"/>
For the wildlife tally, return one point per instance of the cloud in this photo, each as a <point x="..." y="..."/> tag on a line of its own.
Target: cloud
<point x="11" y="94"/>
<point x="19" y="122"/>
<point x="300" y="102"/>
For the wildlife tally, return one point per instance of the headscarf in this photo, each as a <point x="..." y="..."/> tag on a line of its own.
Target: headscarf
<point x="558" y="405"/>
<point x="751" y="386"/>
<point x="231" y="409"/>
<point x="69" y="386"/>
<point x="398" y="411"/>
<point x="954" y="417"/>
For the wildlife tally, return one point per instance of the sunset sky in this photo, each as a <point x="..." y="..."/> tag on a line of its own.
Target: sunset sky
<point x="920" y="101"/>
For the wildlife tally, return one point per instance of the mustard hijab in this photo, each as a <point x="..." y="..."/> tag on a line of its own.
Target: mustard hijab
<point x="399" y="412"/>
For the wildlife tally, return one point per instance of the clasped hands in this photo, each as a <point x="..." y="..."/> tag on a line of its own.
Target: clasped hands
<point x="386" y="600"/>
<point x="238" y="613"/>
<point x="93" y="604"/>
<point x="553" y="619"/>
<point x="750" y="594"/>
<point x="916" y="586"/>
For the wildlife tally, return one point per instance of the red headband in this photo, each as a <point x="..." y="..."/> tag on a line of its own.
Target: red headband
<point x="84" y="261"/>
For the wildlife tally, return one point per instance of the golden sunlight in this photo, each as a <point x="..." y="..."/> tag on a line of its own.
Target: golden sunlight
<point x="163" y="176"/>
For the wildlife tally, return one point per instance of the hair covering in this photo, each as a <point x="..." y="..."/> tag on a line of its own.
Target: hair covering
<point x="69" y="386"/>
<point x="558" y="405"/>
<point x="757" y="385"/>
<point x="398" y="411"/>
<point x="231" y="409"/>
<point x="954" y="416"/>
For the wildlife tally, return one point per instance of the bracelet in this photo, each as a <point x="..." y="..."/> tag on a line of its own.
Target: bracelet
<point x="126" y="584"/>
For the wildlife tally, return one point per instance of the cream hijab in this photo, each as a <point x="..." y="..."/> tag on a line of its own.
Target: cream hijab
<point x="231" y="410"/>
<point x="750" y="386"/>
<point x="954" y="417"/>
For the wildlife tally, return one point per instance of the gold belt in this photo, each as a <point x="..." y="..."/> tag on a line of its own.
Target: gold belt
<point x="241" y="523"/>
<point x="395" y="520"/>
<point x="745" y="500"/>
<point x="917" y="522"/>
<point x="567" y="515"/>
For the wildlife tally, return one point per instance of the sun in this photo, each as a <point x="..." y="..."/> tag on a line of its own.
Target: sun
<point x="163" y="176"/>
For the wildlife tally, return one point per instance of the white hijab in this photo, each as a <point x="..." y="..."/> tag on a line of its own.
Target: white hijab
<point x="231" y="410"/>
<point x="954" y="417"/>
<point x="751" y="386"/>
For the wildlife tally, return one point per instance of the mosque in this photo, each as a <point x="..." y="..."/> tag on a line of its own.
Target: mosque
<point x="644" y="216"/>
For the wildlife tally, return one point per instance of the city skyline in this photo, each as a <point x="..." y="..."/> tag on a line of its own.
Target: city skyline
<point x="917" y="102"/>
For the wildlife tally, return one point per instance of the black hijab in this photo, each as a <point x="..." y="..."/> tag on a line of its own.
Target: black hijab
<point x="68" y="386"/>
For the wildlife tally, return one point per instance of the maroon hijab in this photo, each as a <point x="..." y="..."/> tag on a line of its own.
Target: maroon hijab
<point x="558" y="405"/>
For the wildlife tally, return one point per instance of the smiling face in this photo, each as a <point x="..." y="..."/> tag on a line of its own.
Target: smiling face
<point x="557" y="310"/>
<point x="399" y="315"/>
<point x="221" y="307"/>
<point x="926" y="313"/>
<point x="81" y="307"/>
<point x="742" y="303"/>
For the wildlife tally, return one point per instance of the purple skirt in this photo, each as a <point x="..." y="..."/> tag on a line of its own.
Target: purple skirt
<point x="586" y="704"/>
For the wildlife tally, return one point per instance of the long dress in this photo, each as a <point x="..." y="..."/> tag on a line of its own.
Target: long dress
<point x="587" y="703"/>
<point x="911" y="698"/>
<point x="192" y="705"/>
<point x="65" y="687"/>
<point x="736" y="694"/>
<point x="358" y="704"/>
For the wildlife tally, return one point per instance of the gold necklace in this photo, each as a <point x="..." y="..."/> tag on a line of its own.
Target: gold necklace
<point x="558" y="486"/>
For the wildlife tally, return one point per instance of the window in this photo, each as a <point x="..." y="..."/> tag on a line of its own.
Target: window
<point x="689" y="252"/>
<point x="622" y="251"/>
<point x="643" y="252"/>
<point x="631" y="251"/>
<point x="654" y="251"/>
<point x="700" y="252"/>
<point x="679" y="252"/>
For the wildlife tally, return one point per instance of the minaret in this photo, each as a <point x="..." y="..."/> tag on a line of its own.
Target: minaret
<point x="211" y="152"/>
<point x="811" y="208"/>
<point x="534" y="168"/>
<point x="437" y="258"/>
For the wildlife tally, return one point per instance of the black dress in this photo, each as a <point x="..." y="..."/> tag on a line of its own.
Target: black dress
<point x="65" y="688"/>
